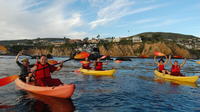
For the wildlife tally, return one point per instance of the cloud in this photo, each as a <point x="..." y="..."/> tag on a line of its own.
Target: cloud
<point x="117" y="10"/>
<point x="31" y="19"/>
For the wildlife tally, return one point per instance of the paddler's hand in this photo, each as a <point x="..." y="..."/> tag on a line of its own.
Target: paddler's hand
<point x="20" y="53"/>
<point x="61" y="64"/>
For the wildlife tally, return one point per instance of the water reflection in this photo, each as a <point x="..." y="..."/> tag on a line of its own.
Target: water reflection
<point x="44" y="103"/>
<point x="2" y="106"/>
<point x="133" y="88"/>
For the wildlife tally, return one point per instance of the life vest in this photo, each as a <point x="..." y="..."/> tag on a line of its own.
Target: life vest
<point x="99" y="66"/>
<point x="161" y="67"/>
<point x="86" y="65"/>
<point x="42" y="73"/>
<point x="175" y="69"/>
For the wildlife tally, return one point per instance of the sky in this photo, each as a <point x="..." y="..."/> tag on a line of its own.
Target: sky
<point x="30" y="19"/>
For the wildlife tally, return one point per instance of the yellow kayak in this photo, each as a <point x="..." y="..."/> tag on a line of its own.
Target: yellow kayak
<point x="177" y="78"/>
<point x="175" y="82"/>
<point x="198" y="62"/>
<point x="94" y="72"/>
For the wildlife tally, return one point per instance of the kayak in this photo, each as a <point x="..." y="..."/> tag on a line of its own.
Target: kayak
<point x="62" y="91"/>
<point x="95" y="72"/>
<point x="177" y="78"/>
<point x="175" y="82"/>
<point x="198" y="62"/>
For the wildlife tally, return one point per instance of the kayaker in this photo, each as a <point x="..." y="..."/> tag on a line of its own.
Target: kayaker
<point x="176" y="68"/>
<point x="99" y="65"/>
<point x="161" y="64"/>
<point x="86" y="64"/>
<point x="24" y="65"/>
<point x="43" y="77"/>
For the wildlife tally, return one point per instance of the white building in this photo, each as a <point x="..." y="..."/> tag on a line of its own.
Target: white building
<point x="188" y="46"/>
<point x="116" y="40"/>
<point x="136" y="39"/>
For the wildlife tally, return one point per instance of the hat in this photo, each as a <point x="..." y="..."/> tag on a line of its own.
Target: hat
<point x="24" y="60"/>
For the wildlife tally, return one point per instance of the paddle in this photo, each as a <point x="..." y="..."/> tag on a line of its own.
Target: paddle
<point x="7" y="80"/>
<point x="52" y="65"/>
<point x="52" y="62"/>
<point x="82" y="55"/>
<point x="156" y="53"/>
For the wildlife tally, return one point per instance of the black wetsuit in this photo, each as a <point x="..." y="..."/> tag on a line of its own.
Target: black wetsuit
<point x="23" y="70"/>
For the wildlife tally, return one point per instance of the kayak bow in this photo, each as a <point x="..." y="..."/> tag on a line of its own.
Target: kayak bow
<point x="62" y="91"/>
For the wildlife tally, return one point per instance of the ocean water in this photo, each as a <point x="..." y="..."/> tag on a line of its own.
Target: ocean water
<point x="133" y="88"/>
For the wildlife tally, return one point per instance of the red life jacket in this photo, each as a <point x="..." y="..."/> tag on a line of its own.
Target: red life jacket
<point x="176" y="69"/>
<point x="86" y="65"/>
<point x="99" y="66"/>
<point x="43" y="73"/>
<point x="161" y="67"/>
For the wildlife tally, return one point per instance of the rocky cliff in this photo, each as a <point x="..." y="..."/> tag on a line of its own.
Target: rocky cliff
<point x="146" y="49"/>
<point x="138" y="49"/>
<point x="55" y="51"/>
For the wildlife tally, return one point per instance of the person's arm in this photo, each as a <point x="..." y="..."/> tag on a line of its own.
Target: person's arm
<point x="183" y="62"/>
<point x="59" y="67"/>
<point x="17" y="57"/>
<point x="166" y="60"/>
<point x="155" y="61"/>
<point x="34" y="68"/>
<point x="170" y="60"/>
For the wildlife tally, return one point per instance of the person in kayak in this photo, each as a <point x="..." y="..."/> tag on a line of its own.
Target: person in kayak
<point x="86" y="64"/>
<point x="176" y="68"/>
<point x="43" y="77"/>
<point x="161" y="64"/>
<point x="98" y="65"/>
<point x="25" y="67"/>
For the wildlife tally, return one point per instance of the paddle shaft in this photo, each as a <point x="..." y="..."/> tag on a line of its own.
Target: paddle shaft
<point x="52" y="65"/>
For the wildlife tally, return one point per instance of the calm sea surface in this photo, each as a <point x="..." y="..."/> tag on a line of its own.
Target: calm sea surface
<point x="132" y="88"/>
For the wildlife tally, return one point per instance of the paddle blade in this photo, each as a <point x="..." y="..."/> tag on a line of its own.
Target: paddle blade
<point x="82" y="55"/>
<point x="178" y="56"/>
<point x="81" y="62"/>
<point x="143" y="56"/>
<point x="7" y="80"/>
<point x="52" y="62"/>
<point x="77" y="71"/>
<point x="118" y="61"/>
<point x="158" y="54"/>
<point x="103" y="57"/>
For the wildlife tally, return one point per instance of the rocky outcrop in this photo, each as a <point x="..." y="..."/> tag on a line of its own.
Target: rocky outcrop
<point x="3" y="50"/>
<point x="146" y="49"/>
<point x="55" y="51"/>
<point x="121" y="50"/>
<point x="168" y="49"/>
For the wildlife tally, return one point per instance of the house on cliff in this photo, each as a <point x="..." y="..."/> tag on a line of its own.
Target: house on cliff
<point x="134" y="39"/>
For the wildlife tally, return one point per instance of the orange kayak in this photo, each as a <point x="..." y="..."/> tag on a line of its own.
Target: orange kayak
<point x="63" y="91"/>
<point x="118" y="61"/>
